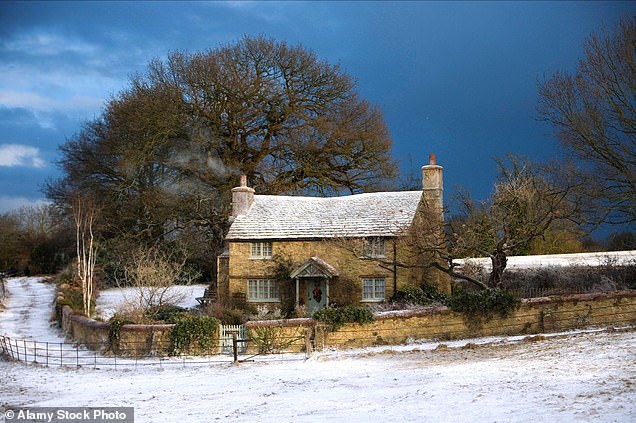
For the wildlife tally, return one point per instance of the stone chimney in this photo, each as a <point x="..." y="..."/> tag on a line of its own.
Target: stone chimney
<point x="242" y="198"/>
<point x="433" y="196"/>
<point x="433" y="184"/>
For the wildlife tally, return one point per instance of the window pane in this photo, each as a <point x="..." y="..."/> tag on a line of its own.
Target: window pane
<point x="263" y="290"/>
<point x="373" y="289"/>
<point x="379" y="289"/>
<point x="379" y="247"/>
<point x="261" y="249"/>
<point x="252" y="290"/>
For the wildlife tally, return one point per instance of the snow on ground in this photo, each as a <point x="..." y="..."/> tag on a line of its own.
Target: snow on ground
<point x="578" y="378"/>
<point x="109" y="300"/>
<point x="558" y="260"/>
<point x="575" y="377"/>
<point x="28" y="310"/>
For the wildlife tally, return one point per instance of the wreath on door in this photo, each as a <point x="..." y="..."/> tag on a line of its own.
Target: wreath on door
<point x="317" y="294"/>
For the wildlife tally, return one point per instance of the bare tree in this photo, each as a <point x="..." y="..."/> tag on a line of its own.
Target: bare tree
<point x="524" y="205"/>
<point x="154" y="274"/>
<point x="593" y="113"/>
<point x="84" y="214"/>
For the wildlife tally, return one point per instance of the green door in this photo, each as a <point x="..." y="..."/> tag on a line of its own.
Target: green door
<point x="316" y="294"/>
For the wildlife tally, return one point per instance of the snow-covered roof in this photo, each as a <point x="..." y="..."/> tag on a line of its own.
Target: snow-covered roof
<point x="361" y="215"/>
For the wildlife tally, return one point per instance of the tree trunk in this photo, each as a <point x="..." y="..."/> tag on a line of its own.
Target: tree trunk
<point x="499" y="262"/>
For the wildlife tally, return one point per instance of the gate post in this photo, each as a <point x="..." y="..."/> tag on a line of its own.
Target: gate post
<point x="308" y="347"/>
<point x="235" y="347"/>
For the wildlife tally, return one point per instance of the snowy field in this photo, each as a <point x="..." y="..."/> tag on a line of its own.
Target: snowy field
<point x="109" y="300"/>
<point x="587" y="376"/>
<point x="618" y="258"/>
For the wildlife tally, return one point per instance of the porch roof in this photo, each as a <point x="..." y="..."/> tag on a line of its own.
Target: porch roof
<point x="314" y="267"/>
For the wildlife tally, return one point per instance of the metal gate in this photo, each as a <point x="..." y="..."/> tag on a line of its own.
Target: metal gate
<point x="226" y="334"/>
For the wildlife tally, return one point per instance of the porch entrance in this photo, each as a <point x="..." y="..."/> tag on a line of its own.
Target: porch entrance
<point x="316" y="274"/>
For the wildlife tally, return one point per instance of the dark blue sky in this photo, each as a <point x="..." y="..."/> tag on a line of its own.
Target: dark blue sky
<point x="455" y="78"/>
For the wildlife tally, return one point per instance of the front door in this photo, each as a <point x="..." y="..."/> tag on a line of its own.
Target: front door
<point x="316" y="294"/>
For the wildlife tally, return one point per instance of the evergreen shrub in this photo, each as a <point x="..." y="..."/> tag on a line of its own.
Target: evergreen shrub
<point x="336" y="317"/>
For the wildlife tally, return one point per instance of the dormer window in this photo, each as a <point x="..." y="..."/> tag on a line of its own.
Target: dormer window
<point x="261" y="250"/>
<point x="373" y="248"/>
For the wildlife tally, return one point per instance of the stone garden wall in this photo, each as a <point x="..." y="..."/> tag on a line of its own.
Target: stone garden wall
<point x="550" y="314"/>
<point x="533" y="316"/>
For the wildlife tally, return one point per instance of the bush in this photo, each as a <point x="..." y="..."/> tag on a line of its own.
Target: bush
<point x="165" y="313"/>
<point x="483" y="303"/>
<point x="193" y="333"/>
<point x="72" y="298"/>
<point x="270" y="340"/>
<point x="116" y="322"/>
<point x="433" y="294"/>
<point x="573" y="279"/>
<point x="336" y="317"/>
<point x="411" y="295"/>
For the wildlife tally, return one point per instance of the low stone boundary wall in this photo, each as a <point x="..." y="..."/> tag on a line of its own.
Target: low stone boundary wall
<point x="533" y="316"/>
<point x="134" y="340"/>
<point x="537" y="315"/>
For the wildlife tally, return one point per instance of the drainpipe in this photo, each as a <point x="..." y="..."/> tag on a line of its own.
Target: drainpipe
<point x="394" y="267"/>
<point x="297" y="293"/>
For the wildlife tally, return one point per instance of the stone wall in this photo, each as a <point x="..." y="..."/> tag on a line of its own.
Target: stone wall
<point x="134" y="340"/>
<point x="533" y="316"/>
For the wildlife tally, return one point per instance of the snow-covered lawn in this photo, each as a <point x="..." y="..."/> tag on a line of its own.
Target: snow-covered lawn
<point x="109" y="300"/>
<point x="577" y="377"/>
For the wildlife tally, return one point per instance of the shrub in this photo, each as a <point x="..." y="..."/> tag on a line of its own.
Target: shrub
<point x="65" y="277"/>
<point x="167" y="313"/>
<point x="270" y="340"/>
<point x="607" y="276"/>
<point x="433" y="294"/>
<point x="411" y="295"/>
<point x="336" y="317"/>
<point x="192" y="333"/>
<point x="72" y="298"/>
<point x="483" y="303"/>
<point x="116" y="322"/>
<point x="227" y="316"/>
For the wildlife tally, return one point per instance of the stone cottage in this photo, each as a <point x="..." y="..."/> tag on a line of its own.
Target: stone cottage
<point x="311" y="252"/>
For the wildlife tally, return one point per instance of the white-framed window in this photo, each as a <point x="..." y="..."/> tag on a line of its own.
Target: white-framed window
<point x="263" y="290"/>
<point x="373" y="289"/>
<point x="261" y="250"/>
<point x="373" y="248"/>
